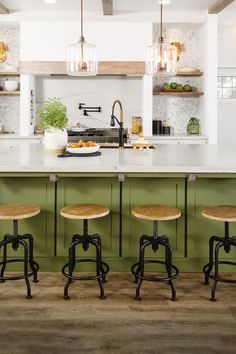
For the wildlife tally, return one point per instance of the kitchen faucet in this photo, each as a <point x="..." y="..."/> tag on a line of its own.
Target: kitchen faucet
<point x="87" y="109"/>
<point x="120" y="123"/>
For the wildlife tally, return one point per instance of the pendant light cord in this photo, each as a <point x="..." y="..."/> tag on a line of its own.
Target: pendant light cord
<point x="82" y="21"/>
<point x="161" y="39"/>
<point x="82" y="36"/>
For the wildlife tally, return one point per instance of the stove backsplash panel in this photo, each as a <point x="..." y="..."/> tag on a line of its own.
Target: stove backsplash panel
<point x="92" y="91"/>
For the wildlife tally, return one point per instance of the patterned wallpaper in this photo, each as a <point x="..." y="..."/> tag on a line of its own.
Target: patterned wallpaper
<point x="176" y="111"/>
<point x="10" y="105"/>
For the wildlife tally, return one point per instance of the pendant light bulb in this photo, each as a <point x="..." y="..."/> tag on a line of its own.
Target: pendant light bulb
<point x="82" y="57"/>
<point x="161" y="57"/>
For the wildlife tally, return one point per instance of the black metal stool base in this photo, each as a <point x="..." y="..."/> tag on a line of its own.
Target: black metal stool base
<point x="216" y="279"/>
<point x="167" y="279"/>
<point x="226" y="242"/>
<point x="137" y="269"/>
<point x="102" y="268"/>
<point x="22" y="276"/>
<point x="100" y="277"/>
<point x="15" y="241"/>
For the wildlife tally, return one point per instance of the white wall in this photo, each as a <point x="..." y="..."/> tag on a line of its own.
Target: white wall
<point x="227" y="123"/>
<point x="93" y="91"/>
<point x="226" y="45"/>
<point x="208" y="60"/>
<point x="226" y="114"/>
<point x="227" y="67"/>
<point x="47" y="41"/>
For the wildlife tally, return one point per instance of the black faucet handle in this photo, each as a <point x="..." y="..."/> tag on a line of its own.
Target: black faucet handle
<point x="81" y="105"/>
<point x="86" y="113"/>
<point x="113" y="122"/>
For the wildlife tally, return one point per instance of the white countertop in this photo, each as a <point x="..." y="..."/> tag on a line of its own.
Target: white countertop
<point x="31" y="157"/>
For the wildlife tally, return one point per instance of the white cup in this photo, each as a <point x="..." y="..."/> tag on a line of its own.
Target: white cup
<point x="11" y="85"/>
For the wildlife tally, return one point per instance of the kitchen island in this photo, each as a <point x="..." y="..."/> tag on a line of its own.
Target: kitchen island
<point x="186" y="176"/>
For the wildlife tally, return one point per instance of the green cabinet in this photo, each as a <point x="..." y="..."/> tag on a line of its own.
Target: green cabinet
<point x="76" y="190"/>
<point x="204" y="192"/>
<point x="37" y="191"/>
<point x="152" y="190"/>
<point x="53" y="233"/>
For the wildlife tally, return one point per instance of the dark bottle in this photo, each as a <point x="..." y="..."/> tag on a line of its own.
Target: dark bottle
<point x="156" y="127"/>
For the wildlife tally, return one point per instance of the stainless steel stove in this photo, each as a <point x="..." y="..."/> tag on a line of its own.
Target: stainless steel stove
<point x="106" y="135"/>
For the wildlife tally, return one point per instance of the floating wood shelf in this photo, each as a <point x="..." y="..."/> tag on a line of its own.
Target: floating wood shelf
<point x="135" y="68"/>
<point x="5" y="73"/>
<point x="181" y="94"/>
<point x="190" y="73"/>
<point x="9" y="93"/>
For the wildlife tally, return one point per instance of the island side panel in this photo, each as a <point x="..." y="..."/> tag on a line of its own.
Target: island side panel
<point x="202" y="193"/>
<point x="152" y="190"/>
<point x="37" y="191"/>
<point x="77" y="190"/>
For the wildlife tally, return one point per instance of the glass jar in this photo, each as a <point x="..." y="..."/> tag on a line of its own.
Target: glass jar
<point x="136" y="126"/>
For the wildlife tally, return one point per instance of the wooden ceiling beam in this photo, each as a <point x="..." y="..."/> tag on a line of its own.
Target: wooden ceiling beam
<point x="107" y="7"/>
<point x="3" y="9"/>
<point x="219" y="6"/>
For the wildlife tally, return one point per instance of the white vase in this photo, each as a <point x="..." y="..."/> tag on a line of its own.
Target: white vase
<point x="11" y="85"/>
<point x="55" y="140"/>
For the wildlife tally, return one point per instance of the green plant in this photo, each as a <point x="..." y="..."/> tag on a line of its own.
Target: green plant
<point x="53" y="114"/>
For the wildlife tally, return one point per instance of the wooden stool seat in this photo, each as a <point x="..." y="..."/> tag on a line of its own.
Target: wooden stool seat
<point x="84" y="211"/>
<point x="18" y="211"/>
<point x="156" y="212"/>
<point x="226" y="213"/>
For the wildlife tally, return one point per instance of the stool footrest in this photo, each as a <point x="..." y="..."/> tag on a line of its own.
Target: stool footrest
<point x="162" y="279"/>
<point x="93" y="277"/>
<point x="22" y="276"/>
<point x="223" y="280"/>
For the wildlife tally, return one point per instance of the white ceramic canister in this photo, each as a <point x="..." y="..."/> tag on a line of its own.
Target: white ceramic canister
<point x="55" y="140"/>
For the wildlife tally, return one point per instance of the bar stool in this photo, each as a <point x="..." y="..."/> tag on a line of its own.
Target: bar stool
<point x="85" y="212"/>
<point x="227" y="214"/>
<point x="16" y="212"/>
<point x="155" y="213"/>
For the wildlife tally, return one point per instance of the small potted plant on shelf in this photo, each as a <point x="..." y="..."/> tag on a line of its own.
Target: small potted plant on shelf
<point x="53" y="117"/>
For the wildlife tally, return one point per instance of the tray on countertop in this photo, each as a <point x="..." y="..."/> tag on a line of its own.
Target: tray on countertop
<point x="69" y="154"/>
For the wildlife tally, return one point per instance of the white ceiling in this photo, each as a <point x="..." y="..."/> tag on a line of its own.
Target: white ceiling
<point x="119" y="6"/>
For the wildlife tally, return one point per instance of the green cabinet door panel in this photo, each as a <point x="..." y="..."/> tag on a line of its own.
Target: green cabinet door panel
<point x="31" y="190"/>
<point x="103" y="191"/>
<point x="202" y="193"/>
<point x="167" y="191"/>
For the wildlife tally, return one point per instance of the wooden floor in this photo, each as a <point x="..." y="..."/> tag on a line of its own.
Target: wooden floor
<point x="119" y="324"/>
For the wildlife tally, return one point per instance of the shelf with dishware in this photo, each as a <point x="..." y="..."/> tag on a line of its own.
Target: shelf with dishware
<point x="10" y="86"/>
<point x="9" y="73"/>
<point x="9" y="93"/>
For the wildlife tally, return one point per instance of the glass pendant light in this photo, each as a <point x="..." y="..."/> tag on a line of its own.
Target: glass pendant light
<point x="82" y="57"/>
<point x="161" y="57"/>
